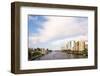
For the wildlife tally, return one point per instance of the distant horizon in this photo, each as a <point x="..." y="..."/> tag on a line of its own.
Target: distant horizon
<point x="86" y="42"/>
<point x="53" y="31"/>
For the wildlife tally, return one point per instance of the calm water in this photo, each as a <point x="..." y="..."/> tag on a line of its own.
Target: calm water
<point x="59" y="55"/>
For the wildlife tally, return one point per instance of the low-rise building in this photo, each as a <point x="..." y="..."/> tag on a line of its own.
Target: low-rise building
<point x="43" y="51"/>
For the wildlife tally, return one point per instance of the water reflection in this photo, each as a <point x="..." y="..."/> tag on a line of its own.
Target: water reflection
<point x="59" y="55"/>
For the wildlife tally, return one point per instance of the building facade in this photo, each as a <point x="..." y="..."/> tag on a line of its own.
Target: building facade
<point x="75" y="45"/>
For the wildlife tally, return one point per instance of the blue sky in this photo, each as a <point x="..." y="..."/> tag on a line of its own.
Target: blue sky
<point x="34" y="22"/>
<point x="53" y="31"/>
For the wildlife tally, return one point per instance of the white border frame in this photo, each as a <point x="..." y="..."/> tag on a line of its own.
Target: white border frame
<point x="25" y="64"/>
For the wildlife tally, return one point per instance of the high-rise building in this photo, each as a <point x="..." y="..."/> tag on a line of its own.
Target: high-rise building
<point x="81" y="45"/>
<point x="69" y="45"/>
<point x="72" y="45"/>
<point x="86" y="46"/>
<point x="75" y="45"/>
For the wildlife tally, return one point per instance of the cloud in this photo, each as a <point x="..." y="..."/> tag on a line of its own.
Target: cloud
<point x="60" y="29"/>
<point x="61" y="42"/>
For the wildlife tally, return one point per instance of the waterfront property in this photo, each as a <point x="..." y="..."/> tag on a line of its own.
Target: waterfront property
<point x="76" y="47"/>
<point x="72" y="50"/>
<point x="36" y="53"/>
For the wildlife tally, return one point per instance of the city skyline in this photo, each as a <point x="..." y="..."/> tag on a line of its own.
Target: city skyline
<point x="71" y="45"/>
<point x="53" y="31"/>
<point x="76" y="45"/>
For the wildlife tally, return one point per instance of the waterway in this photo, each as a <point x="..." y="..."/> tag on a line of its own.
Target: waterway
<point x="55" y="54"/>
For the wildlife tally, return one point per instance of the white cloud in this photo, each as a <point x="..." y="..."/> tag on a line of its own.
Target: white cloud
<point x="60" y="28"/>
<point x="61" y="42"/>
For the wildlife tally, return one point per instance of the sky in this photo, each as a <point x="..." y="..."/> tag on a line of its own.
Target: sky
<point x="52" y="32"/>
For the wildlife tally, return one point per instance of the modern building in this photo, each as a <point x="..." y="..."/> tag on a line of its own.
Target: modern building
<point x="81" y="45"/>
<point x="43" y="51"/>
<point x="86" y="46"/>
<point x="72" y="45"/>
<point x="69" y="45"/>
<point x="76" y="45"/>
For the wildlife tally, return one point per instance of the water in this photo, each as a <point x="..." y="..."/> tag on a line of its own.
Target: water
<point x="59" y="55"/>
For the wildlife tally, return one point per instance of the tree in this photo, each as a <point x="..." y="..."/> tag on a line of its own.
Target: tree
<point x="30" y="50"/>
<point x="85" y="52"/>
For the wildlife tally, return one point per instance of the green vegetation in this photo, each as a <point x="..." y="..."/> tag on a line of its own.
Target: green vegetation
<point x="37" y="53"/>
<point x="30" y="50"/>
<point x="32" y="54"/>
<point x="38" y="49"/>
<point x="85" y="52"/>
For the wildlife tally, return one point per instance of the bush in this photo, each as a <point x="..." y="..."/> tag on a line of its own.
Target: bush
<point x="36" y="53"/>
<point x="85" y="52"/>
<point x="30" y="50"/>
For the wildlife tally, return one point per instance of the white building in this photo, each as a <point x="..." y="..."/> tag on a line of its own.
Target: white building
<point x="81" y="45"/>
<point x="43" y="51"/>
<point x="75" y="45"/>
